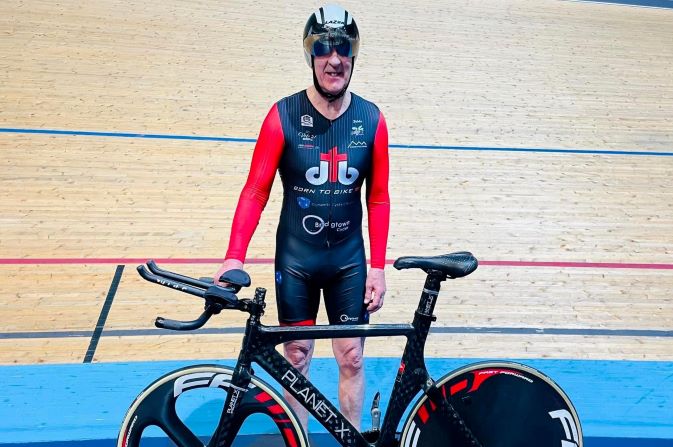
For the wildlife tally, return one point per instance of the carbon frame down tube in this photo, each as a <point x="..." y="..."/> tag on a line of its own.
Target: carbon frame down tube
<point x="310" y="397"/>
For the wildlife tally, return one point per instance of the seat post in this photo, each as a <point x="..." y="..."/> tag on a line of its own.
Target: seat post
<point x="430" y="291"/>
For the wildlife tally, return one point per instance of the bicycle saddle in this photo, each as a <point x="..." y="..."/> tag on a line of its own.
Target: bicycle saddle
<point x="453" y="265"/>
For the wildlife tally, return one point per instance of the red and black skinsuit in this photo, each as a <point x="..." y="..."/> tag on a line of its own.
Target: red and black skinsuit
<point x="323" y="165"/>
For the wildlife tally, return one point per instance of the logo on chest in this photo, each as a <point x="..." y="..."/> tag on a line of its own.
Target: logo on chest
<point x="357" y="145"/>
<point x="333" y="168"/>
<point x="307" y="121"/>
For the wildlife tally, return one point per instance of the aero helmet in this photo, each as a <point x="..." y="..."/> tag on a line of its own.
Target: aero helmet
<point x="330" y="27"/>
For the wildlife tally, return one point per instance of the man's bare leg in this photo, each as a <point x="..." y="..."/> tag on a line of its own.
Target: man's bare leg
<point x="348" y="353"/>
<point x="299" y="353"/>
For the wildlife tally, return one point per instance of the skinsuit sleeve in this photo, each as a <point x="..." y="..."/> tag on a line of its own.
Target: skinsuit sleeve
<point x="255" y="193"/>
<point x="378" y="199"/>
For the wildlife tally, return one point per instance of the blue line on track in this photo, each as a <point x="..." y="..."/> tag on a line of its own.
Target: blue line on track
<point x="657" y="4"/>
<point x="395" y="146"/>
<point x="539" y="150"/>
<point x="126" y="135"/>
<point x="71" y="402"/>
<point x="434" y="330"/>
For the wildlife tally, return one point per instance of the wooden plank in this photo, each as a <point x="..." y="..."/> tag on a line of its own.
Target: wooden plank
<point x="52" y="298"/>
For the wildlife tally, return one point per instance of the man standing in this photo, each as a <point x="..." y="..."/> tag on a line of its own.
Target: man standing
<point x="327" y="143"/>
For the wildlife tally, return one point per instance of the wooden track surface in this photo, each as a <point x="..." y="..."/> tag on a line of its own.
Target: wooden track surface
<point x="509" y="74"/>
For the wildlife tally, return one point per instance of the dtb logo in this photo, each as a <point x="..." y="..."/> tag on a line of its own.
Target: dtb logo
<point x="333" y="167"/>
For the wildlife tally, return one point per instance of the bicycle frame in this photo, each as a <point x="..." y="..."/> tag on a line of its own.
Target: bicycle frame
<point x="259" y="344"/>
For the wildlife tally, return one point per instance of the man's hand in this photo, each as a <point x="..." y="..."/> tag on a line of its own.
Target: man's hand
<point x="375" y="289"/>
<point x="228" y="264"/>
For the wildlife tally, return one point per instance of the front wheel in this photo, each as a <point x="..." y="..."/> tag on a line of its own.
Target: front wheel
<point x="156" y="406"/>
<point x="504" y="404"/>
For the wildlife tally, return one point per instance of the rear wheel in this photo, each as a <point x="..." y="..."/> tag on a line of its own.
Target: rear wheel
<point x="504" y="404"/>
<point x="156" y="410"/>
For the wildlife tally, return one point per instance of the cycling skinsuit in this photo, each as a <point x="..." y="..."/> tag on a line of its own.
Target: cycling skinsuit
<point x="323" y="165"/>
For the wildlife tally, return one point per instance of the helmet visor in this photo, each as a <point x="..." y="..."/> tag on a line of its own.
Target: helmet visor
<point x="322" y="45"/>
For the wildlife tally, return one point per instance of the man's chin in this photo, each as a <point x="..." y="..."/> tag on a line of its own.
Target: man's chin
<point x="334" y="89"/>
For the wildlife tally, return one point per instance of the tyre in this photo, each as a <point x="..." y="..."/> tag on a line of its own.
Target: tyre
<point x="504" y="404"/>
<point x="156" y="406"/>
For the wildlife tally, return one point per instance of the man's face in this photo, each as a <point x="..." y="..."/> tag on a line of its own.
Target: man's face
<point x="333" y="71"/>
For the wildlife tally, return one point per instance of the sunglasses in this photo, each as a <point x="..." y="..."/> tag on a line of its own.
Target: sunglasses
<point x="343" y="48"/>
<point x="320" y="46"/>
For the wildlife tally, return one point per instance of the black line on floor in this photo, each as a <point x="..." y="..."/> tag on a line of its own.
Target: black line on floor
<point x="93" y="344"/>
<point x="434" y="330"/>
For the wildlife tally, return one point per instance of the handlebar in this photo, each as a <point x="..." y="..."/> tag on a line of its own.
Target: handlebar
<point x="154" y="268"/>
<point x="159" y="278"/>
<point x="176" y="325"/>
<point x="217" y="297"/>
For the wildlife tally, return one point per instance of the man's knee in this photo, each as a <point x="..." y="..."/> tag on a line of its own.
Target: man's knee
<point x="350" y="357"/>
<point x="298" y="353"/>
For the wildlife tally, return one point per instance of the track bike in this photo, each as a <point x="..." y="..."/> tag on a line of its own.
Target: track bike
<point x="488" y="404"/>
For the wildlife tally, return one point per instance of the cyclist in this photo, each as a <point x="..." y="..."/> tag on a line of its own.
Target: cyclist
<point x="326" y="142"/>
